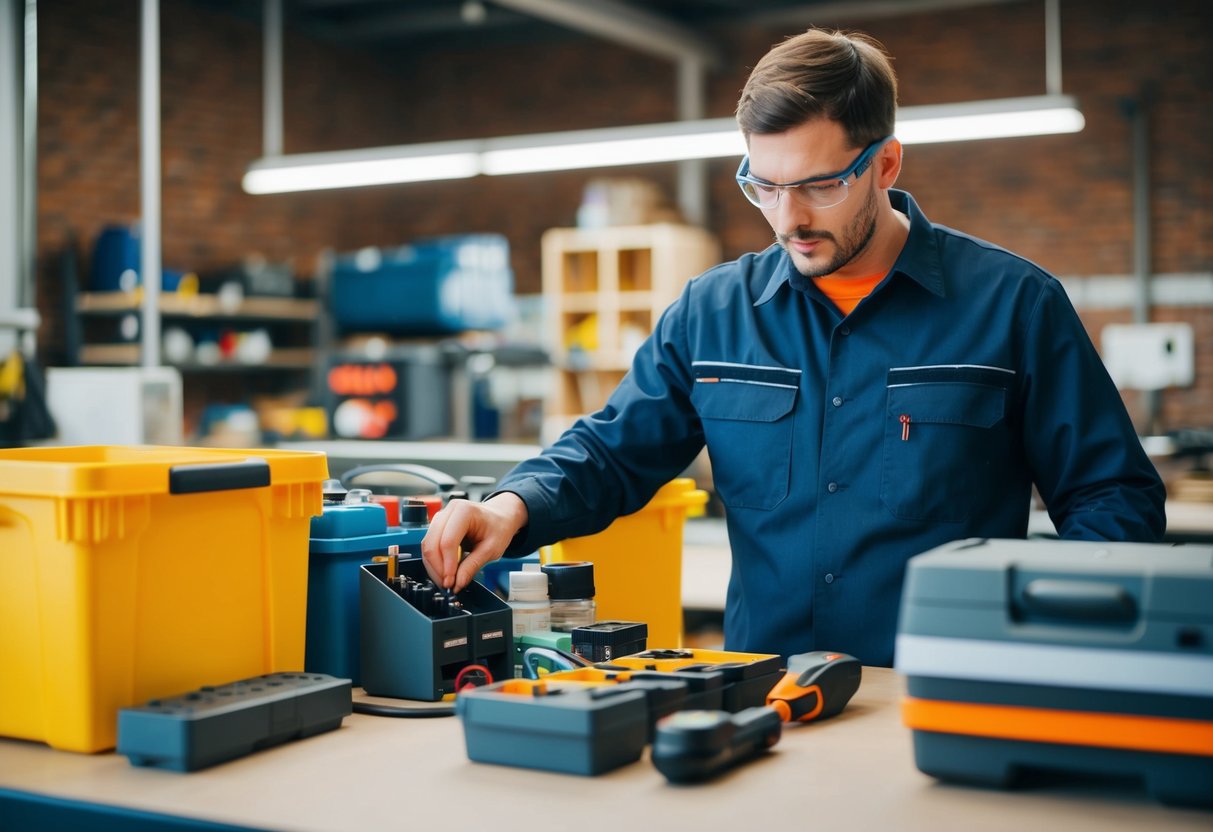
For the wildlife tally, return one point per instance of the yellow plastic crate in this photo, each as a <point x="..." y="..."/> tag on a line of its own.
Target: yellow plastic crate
<point x="638" y="561"/>
<point x="128" y="573"/>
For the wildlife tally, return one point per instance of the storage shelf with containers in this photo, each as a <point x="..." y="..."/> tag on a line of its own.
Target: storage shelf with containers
<point x="288" y="325"/>
<point x="604" y="289"/>
<point x="248" y="316"/>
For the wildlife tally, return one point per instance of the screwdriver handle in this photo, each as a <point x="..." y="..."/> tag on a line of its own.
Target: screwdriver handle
<point x="794" y="703"/>
<point x="817" y="685"/>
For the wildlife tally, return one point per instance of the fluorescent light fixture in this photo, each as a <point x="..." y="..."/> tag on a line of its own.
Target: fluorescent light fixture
<point x="995" y="119"/>
<point x="357" y="168"/>
<point x="641" y="144"/>
<point x="609" y="147"/>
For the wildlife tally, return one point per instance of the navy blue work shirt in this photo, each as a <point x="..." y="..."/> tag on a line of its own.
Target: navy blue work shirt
<point x="841" y="446"/>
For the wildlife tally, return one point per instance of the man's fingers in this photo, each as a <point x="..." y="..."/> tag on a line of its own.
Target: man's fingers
<point x="431" y="551"/>
<point x="440" y="547"/>
<point x="459" y="525"/>
<point x="485" y="531"/>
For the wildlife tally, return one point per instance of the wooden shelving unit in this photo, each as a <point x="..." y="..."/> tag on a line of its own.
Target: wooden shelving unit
<point x="281" y="358"/>
<point x="202" y="306"/>
<point x="300" y="314"/>
<point x="604" y="290"/>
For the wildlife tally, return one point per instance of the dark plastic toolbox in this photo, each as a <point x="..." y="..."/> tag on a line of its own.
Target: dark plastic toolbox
<point x="570" y="728"/>
<point x="1046" y="655"/>
<point x="218" y="723"/>
<point x="408" y="653"/>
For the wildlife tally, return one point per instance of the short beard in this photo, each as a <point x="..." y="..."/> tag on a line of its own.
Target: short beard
<point x="855" y="239"/>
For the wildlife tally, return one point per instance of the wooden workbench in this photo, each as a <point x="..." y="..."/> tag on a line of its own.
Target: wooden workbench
<point x="853" y="772"/>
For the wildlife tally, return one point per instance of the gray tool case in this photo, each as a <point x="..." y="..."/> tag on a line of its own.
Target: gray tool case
<point x="1073" y="656"/>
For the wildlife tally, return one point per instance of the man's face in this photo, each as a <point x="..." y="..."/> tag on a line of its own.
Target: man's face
<point x="820" y="241"/>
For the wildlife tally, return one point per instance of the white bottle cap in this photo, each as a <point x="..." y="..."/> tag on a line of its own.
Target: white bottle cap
<point x="528" y="586"/>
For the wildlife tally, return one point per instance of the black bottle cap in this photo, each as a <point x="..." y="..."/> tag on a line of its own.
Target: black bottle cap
<point x="570" y="580"/>
<point x="414" y="513"/>
<point x="332" y="491"/>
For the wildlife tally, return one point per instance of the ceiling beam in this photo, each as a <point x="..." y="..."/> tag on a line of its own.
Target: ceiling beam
<point x="816" y="14"/>
<point x="384" y="25"/>
<point x="625" y="24"/>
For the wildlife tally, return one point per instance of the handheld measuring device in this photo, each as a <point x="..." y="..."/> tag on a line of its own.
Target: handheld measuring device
<point x="693" y="746"/>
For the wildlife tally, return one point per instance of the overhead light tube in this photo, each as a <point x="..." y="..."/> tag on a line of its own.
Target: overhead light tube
<point x="360" y="168"/>
<point x="642" y="144"/>
<point x="610" y="147"/>
<point x="996" y="119"/>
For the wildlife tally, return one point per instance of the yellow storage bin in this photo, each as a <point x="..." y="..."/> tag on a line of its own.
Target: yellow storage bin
<point x="128" y="573"/>
<point x="638" y="562"/>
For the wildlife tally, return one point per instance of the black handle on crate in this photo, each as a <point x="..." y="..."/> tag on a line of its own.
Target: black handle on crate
<point x="218" y="476"/>
<point x="443" y="481"/>
<point x="1093" y="600"/>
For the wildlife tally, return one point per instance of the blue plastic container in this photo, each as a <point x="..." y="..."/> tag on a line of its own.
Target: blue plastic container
<point x="116" y="260"/>
<point x="342" y="538"/>
<point x="434" y="286"/>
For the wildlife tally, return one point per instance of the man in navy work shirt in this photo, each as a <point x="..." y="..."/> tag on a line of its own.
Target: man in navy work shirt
<point x="869" y="387"/>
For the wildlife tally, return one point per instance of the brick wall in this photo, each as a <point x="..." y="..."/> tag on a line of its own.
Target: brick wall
<point x="1064" y="202"/>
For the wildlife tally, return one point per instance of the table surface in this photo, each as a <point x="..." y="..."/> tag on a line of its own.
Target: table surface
<point x="852" y="772"/>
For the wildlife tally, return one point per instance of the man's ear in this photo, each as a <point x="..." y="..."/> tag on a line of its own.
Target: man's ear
<point x="888" y="164"/>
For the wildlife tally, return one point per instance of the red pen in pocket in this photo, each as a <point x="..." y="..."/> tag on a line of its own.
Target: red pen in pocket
<point x="905" y="426"/>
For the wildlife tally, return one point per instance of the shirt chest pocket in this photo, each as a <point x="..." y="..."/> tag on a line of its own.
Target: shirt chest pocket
<point x="748" y="430"/>
<point x="938" y="442"/>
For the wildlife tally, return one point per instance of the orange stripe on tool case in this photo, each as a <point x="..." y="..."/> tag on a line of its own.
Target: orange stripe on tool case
<point x="1137" y="733"/>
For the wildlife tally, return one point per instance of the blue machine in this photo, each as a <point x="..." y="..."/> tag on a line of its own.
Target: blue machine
<point x="434" y="286"/>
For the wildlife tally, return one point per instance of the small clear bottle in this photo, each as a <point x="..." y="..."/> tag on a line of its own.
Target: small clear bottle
<point x="357" y="497"/>
<point x="532" y="612"/>
<point x="571" y="590"/>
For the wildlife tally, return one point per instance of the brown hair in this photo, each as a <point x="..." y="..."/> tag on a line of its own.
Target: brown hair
<point x="844" y="76"/>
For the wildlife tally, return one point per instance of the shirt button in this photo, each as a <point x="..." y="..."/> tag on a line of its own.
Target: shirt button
<point x="836" y="401"/>
<point x="829" y="578"/>
<point x="832" y="487"/>
<point x="845" y="330"/>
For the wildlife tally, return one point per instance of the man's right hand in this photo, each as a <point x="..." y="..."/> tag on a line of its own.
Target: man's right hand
<point x="487" y="527"/>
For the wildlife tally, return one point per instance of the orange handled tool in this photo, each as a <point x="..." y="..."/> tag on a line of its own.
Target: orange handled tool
<point x="817" y="685"/>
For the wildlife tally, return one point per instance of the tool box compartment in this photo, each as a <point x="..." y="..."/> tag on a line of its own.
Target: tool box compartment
<point x="747" y="678"/>
<point x="665" y="692"/>
<point x="135" y="572"/>
<point x="604" y="640"/>
<point x="574" y="729"/>
<point x="1046" y="655"/>
<point x="411" y="651"/>
<point x="704" y="687"/>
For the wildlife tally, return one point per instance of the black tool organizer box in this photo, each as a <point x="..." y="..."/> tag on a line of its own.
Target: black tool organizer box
<point x="218" y="723"/>
<point x="570" y="728"/>
<point x="409" y="654"/>
<point x="589" y="720"/>
<point x="1039" y="656"/>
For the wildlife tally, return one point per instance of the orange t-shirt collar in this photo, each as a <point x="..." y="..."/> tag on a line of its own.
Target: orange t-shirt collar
<point x="847" y="292"/>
